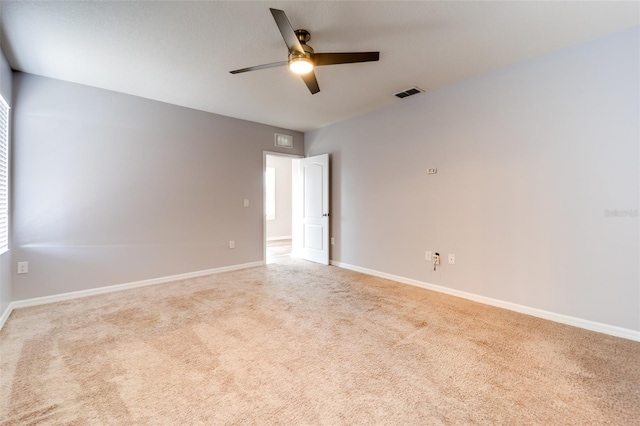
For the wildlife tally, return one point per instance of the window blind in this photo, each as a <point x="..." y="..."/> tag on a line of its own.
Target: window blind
<point x="4" y="176"/>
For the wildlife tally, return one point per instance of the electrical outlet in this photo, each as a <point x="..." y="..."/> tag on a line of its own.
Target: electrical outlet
<point x="432" y="171"/>
<point x="333" y="241"/>
<point x="232" y="244"/>
<point x="452" y="259"/>
<point x="23" y="267"/>
<point x="427" y="255"/>
<point x="246" y="202"/>
<point x="436" y="259"/>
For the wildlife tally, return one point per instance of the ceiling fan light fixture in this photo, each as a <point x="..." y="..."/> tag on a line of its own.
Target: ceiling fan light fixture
<point x="302" y="58"/>
<point x="301" y="65"/>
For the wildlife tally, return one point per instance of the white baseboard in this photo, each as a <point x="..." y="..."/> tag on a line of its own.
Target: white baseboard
<point x="560" y="318"/>
<point x="283" y="237"/>
<point x="612" y="330"/>
<point x="118" y="287"/>
<point x="5" y="315"/>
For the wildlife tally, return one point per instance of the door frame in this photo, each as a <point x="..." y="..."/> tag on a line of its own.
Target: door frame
<point x="264" y="195"/>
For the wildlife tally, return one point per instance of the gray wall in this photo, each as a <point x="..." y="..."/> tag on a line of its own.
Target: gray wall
<point x="111" y="188"/>
<point x="529" y="158"/>
<point x="5" y="259"/>
<point x="281" y="226"/>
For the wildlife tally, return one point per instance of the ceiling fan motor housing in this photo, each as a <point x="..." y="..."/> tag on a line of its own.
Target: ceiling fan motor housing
<point x="303" y="36"/>
<point x="297" y="55"/>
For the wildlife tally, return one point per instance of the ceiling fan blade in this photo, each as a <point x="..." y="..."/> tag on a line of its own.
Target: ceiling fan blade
<point x="320" y="59"/>
<point x="289" y="36"/>
<point x="311" y="82"/>
<point x="260" y="67"/>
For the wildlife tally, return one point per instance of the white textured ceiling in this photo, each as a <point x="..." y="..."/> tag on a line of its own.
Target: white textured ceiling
<point x="182" y="52"/>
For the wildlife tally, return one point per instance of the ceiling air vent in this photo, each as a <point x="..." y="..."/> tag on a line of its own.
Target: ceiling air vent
<point x="284" y="141"/>
<point x="409" y="92"/>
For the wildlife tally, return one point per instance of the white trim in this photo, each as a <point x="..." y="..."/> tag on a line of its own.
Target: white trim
<point x="5" y="315"/>
<point x="119" y="287"/>
<point x="612" y="330"/>
<point x="283" y="237"/>
<point x="282" y="154"/>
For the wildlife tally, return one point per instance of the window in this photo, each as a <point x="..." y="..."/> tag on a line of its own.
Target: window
<point x="270" y="186"/>
<point x="4" y="176"/>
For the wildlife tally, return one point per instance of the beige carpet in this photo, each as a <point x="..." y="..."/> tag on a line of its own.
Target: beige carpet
<point x="304" y="344"/>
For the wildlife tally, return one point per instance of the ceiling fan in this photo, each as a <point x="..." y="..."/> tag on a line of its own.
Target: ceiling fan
<point x="302" y="59"/>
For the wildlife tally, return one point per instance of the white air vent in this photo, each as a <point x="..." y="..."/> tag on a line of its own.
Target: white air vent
<point x="409" y="92"/>
<point x="284" y="141"/>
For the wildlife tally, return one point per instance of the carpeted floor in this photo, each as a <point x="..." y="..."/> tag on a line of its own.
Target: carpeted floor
<point x="297" y="343"/>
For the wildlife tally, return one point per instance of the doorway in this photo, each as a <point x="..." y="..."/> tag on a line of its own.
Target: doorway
<point x="296" y="208"/>
<point x="278" y="196"/>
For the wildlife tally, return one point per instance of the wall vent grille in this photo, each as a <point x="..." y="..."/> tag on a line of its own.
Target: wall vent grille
<point x="284" y="141"/>
<point x="409" y="92"/>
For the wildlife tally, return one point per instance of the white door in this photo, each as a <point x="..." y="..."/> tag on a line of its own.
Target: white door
<point x="310" y="233"/>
